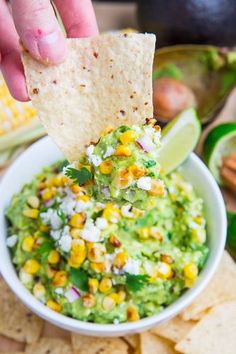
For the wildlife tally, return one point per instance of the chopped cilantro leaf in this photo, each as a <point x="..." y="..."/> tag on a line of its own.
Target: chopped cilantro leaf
<point x="123" y="128"/>
<point x="149" y="163"/>
<point x="136" y="282"/>
<point x="61" y="216"/>
<point x="79" y="176"/>
<point x="62" y="165"/>
<point x="79" y="278"/>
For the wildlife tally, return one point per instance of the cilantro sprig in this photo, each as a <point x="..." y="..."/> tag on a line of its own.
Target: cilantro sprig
<point x="80" y="176"/>
<point x="135" y="283"/>
<point x="79" y="278"/>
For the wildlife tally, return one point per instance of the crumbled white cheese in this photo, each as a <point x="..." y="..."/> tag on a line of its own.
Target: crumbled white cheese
<point x="116" y="321"/>
<point x="126" y="211"/>
<point x="25" y="277"/>
<point x="81" y="206"/>
<point x="51" y="217"/>
<point x="68" y="205"/>
<point x="55" y="234"/>
<point x="11" y="241"/>
<point x="90" y="232"/>
<point x="59" y="291"/>
<point x="94" y="159"/>
<point x="100" y="205"/>
<point x="101" y="223"/>
<point x="145" y="183"/>
<point x="65" y="243"/>
<point x="110" y="151"/>
<point x="90" y="150"/>
<point x="131" y="266"/>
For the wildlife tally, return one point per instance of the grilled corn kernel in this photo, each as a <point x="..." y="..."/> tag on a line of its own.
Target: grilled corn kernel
<point x="31" y="213"/>
<point x="144" y="233"/>
<point x="33" y="201"/>
<point x="155" y="233"/>
<point x="78" y="254"/>
<point x="32" y="266"/>
<point x="53" y="305"/>
<point x="157" y="188"/>
<point x="39" y="291"/>
<point x="124" y="179"/>
<point x="98" y="267"/>
<point x="111" y="213"/>
<point x="105" y="285"/>
<point x="53" y="257"/>
<point x="166" y="258"/>
<point x="132" y="314"/>
<point x="75" y="188"/>
<point x="84" y="198"/>
<point x="75" y="233"/>
<point x="89" y="300"/>
<point x="50" y="272"/>
<point x="137" y="171"/>
<point x="198" y="235"/>
<point x="120" y="259"/>
<point x="127" y="137"/>
<point x="77" y="220"/>
<point x="44" y="228"/>
<point x="48" y="194"/>
<point x="114" y="241"/>
<point x="190" y="271"/>
<point x="164" y="270"/>
<point x="123" y="151"/>
<point x="121" y="297"/>
<point x="60" y="278"/>
<point x="58" y="181"/>
<point x="93" y="285"/>
<point x="28" y="244"/>
<point x="108" y="303"/>
<point x="96" y="252"/>
<point x="115" y="297"/>
<point x="106" y="167"/>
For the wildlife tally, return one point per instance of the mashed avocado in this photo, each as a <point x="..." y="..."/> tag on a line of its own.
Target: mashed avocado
<point x="109" y="239"/>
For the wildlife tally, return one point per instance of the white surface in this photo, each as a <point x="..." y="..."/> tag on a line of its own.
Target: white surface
<point x="44" y="152"/>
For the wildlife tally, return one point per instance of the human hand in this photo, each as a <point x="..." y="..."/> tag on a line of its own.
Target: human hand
<point x="35" y="24"/>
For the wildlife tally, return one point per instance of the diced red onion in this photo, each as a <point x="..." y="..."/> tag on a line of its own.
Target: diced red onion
<point x="106" y="191"/>
<point x="145" y="142"/>
<point x="48" y="203"/>
<point x="72" y="294"/>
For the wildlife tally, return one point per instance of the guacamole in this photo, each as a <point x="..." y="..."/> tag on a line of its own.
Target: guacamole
<point x="109" y="239"/>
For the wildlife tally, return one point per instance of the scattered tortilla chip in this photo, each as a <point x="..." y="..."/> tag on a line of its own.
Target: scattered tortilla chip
<point x="174" y="330"/>
<point x="133" y="340"/>
<point x="214" y="334"/>
<point x="16" y="321"/>
<point x="93" y="345"/>
<point x="221" y="288"/>
<point x="12" y="353"/>
<point x="152" y="344"/>
<point x="49" y="346"/>
<point x="104" y="81"/>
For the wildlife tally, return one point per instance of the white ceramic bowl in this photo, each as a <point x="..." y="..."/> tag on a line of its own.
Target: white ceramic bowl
<point x="43" y="153"/>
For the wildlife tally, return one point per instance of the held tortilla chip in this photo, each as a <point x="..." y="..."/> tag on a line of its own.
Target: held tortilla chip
<point x="49" y="346"/>
<point x="104" y="81"/>
<point x="16" y="321"/>
<point x="221" y="288"/>
<point x="214" y="334"/>
<point x="93" y="345"/>
<point x="174" y="330"/>
<point x="152" y="344"/>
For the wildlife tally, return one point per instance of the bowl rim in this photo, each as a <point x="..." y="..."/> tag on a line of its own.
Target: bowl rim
<point x="97" y="329"/>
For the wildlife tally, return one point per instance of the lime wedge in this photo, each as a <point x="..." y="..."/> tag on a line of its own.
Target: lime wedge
<point x="179" y="138"/>
<point x="221" y="141"/>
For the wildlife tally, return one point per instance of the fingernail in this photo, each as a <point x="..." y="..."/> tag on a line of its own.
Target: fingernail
<point x="52" y="47"/>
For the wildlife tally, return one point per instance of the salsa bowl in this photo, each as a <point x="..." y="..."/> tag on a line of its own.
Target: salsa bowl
<point x="44" y="153"/>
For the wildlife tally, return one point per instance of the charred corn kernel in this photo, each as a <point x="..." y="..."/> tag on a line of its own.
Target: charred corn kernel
<point x="98" y="267"/>
<point x="155" y="233"/>
<point x="58" y="181"/>
<point x="44" y="228"/>
<point x="108" y="303"/>
<point x="75" y="233"/>
<point x="137" y="171"/>
<point x="157" y="188"/>
<point x="89" y="301"/>
<point x="53" y="257"/>
<point x="32" y="266"/>
<point x="166" y="258"/>
<point x="93" y="285"/>
<point x="75" y="188"/>
<point x="28" y="244"/>
<point x="114" y="241"/>
<point x="64" y="180"/>
<point x="60" y="278"/>
<point x="124" y="178"/>
<point x="50" y="272"/>
<point x="78" y="254"/>
<point x="127" y="137"/>
<point x="50" y="182"/>
<point x="77" y="220"/>
<point x="83" y="197"/>
<point x="120" y="259"/>
<point x="123" y="151"/>
<point x="144" y="233"/>
<point x="121" y="297"/>
<point x="48" y="194"/>
<point x="31" y="213"/>
<point x="106" y="167"/>
<point x="164" y="270"/>
<point x="132" y="314"/>
<point x="111" y="213"/>
<point x="39" y="291"/>
<point x="53" y="305"/>
<point x="33" y="201"/>
<point x="105" y="285"/>
<point x="190" y="271"/>
<point x="96" y="252"/>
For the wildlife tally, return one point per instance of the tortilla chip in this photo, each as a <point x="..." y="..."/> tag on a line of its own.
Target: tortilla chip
<point x="152" y="344"/>
<point x="93" y="345"/>
<point x="214" y="334"/>
<point x="104" y="81"/>
<point x="133" y="340"/>
<point x="16" y="321"/>
<point x="221" y="288"/>
<point x="174" y="330"/>
<point x="12" y="353"/>
<point x="49" y="346"/>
